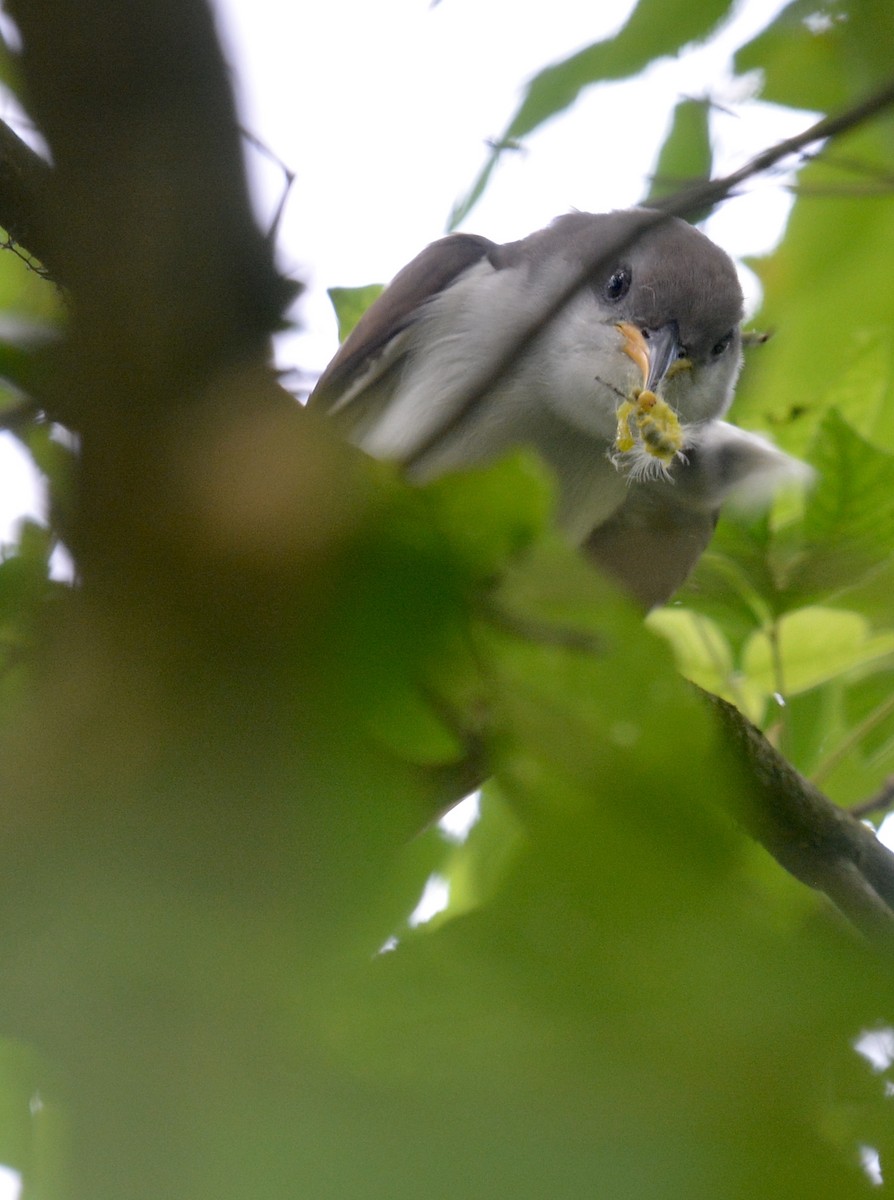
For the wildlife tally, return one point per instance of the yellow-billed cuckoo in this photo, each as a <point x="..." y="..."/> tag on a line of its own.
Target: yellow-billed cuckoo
<point x="608" y="342"/>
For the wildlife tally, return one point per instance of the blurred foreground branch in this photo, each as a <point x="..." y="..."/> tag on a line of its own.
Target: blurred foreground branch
<point x="24" y="177"/>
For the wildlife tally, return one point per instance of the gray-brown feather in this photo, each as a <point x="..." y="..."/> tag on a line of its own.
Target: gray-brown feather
<point x="434" y="269"/>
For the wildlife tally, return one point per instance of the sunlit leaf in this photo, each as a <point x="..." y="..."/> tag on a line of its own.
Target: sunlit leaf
<point x="812" y="645"/>
<point x="704" y="655"/>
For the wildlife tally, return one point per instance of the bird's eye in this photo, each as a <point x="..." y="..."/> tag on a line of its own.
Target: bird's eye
<point x="718" y="348"/>
<point x="618" y="284"/>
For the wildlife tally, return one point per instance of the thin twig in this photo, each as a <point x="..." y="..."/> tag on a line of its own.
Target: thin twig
<point x="879" y="802"/>
<point x="856" y="735"/>
<point x="24" y="178"/>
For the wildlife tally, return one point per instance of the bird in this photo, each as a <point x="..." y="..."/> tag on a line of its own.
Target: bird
<point x="608" y="343"/>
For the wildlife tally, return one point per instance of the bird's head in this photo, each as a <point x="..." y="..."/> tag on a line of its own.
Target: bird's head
<point x="660" y="312"/>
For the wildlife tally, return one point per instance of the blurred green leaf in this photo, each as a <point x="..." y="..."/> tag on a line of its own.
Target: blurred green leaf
<point x="351" y="303"/>
<point x="490" y="515"/>
<point x="686" y="155"/>
<point x="811" y="646"/>
<point x="653" y="30"/>
<point x="848" y="525"/>
<point x="822" y="54"/>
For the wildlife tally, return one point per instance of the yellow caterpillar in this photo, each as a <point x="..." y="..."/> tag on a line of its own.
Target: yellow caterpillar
<point x="649" y="431"/>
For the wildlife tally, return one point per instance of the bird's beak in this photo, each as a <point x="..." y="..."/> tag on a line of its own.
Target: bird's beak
<point x="655" y="351"/>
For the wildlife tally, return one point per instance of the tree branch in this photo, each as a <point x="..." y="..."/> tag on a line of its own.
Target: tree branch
<point x="24" y="179"/>
<point x="813" y="839"/>
<point x="147" y="218"/>
<point x="712" y="191"/>
<point x="146" y="213"/>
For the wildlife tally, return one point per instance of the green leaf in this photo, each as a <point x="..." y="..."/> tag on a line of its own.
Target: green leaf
<point x="704" y="655"/>
<point x="350" y="303"/>
<point x="686" y="155"/>
<point x="822" y="54"/>
<point x="811" y="646"/>
<point x="853" y="502"/>
<point x="490" y="514"/>
<point x="409" y="724"/>
<point x="827" y="351"/>
<point x="848" y="524"/>
<point x="655" y="29"/>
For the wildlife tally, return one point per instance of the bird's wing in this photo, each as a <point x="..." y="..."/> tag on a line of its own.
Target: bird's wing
<point x="358" y="382"/>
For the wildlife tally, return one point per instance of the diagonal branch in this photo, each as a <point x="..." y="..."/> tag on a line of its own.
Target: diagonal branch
<point x="713" y="191"/>
<point x="819" y="843"/>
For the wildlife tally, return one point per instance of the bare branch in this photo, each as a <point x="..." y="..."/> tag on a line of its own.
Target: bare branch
<point x="715" y="190"/>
